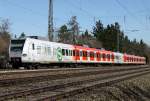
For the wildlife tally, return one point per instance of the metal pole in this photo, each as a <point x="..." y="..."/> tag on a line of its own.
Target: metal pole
<point x="118" y="42"/>
<point x="50" y="21"/>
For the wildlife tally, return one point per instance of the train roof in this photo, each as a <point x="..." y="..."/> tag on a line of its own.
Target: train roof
<point x="32" y="37"/>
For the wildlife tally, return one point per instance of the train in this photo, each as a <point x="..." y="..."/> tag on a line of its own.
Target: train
<point x="28" y="52"/>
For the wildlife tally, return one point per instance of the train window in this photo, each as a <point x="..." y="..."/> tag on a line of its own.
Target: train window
<point x="84" y="54"/>
<point x="67" y="53"/>
<point x="46" y="50"/>
<point x="116" y="57"/>
<point x="92" y="54"/>
<point x="112" y="56"/>
<point x="70" y="53"/>
<point x="33" y="46"/>
<point x="74" y="53"/>
<point x="81" y="53"/>
<point x="108" y="56"/>
<point x="63" y="51"/>
<point x="128" y="59"/>
<point x="98" y="55"/>
<point x="103" y="56"/>
<point x="38" y="49"/>
<point x="77" y="53"/>
<point x="54" y="51"/>
<point x="17" y="45"/>
<point x="49" y="50"/>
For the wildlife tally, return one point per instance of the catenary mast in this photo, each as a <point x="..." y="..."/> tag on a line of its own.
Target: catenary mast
<point x="50" y="21"/>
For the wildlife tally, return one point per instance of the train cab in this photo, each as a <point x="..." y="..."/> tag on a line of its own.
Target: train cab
<point x="15" y="51"/>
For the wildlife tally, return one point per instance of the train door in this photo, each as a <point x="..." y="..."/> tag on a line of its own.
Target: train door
<point x="116" y="58"/>
<point x="44" y="53"/>
<point x="40" y="53"/>
<point x="30" y="54"/>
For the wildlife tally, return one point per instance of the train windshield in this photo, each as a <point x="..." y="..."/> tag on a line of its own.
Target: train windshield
<point x="17" y="45"/>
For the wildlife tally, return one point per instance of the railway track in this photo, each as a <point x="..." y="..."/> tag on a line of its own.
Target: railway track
<point x="74" y="86"/>
<point x="54" y="75"/>
<point x="71" y="91"/>
<point x="14" y="72"/>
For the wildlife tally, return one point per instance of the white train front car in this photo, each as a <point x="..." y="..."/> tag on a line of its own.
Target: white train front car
<point x="34" y="52"/>
<point x="15" y="52"/>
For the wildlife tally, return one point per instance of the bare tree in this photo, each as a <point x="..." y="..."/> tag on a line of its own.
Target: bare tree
<point x="74" y="27"/>
<point x="4" y="26"/>
<point x="4" y="36"/>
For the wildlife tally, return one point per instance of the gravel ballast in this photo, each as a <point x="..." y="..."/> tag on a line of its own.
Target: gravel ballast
<point x="137" y="89"/>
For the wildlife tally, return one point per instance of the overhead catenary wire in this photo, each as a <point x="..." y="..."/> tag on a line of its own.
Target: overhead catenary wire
<point x="25" y="10"/>
<point x="128" y="11"/>
<point x="31" y="11"/>
<point x="81" y="9"/>
<point x="147" y="16"/>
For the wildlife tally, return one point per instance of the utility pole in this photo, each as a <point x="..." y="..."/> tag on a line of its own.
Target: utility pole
<point x="118" y="41"/>
<point x="50" y="21"/>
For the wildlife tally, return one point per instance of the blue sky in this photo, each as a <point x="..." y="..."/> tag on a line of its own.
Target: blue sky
<point x="30" y="16"/>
